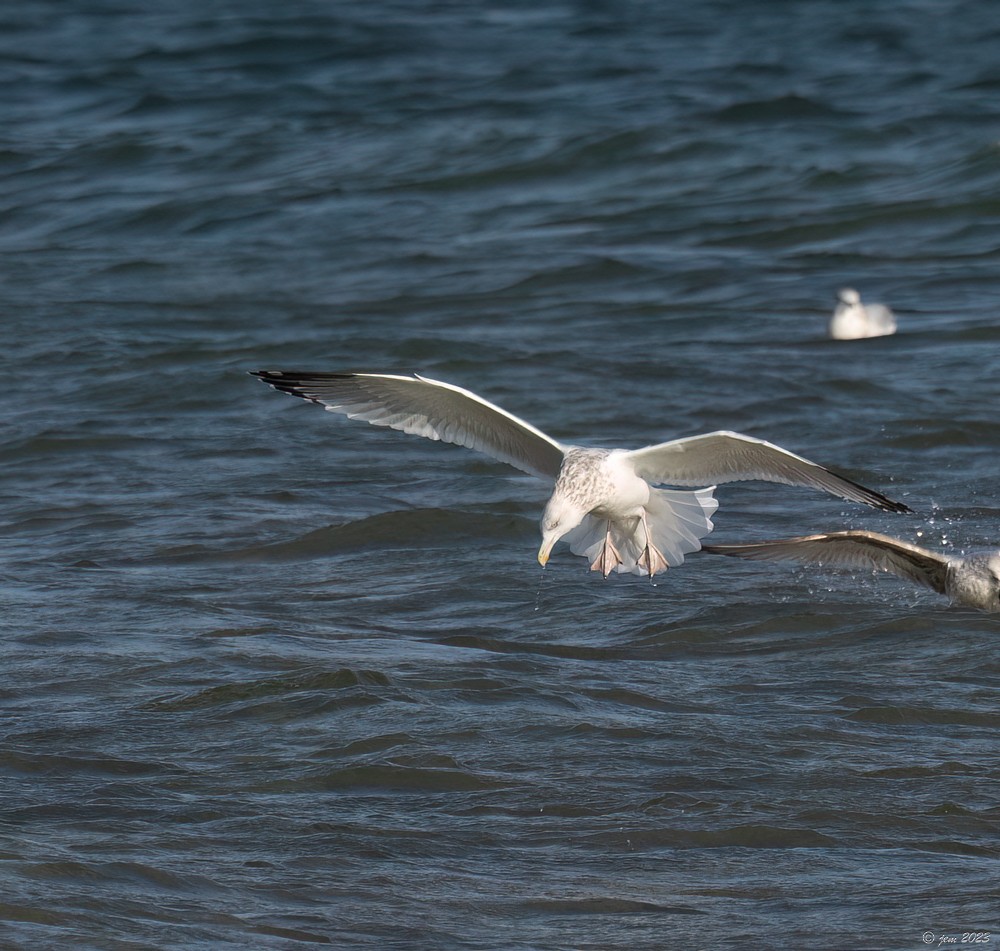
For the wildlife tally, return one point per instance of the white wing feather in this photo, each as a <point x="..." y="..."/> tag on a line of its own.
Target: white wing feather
<point x="429" y="408"/>
<point x="732" y="457"/>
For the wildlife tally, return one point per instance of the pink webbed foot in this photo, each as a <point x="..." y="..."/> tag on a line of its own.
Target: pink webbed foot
<point x="609" y="558"/>
<point x="652" y="560"/>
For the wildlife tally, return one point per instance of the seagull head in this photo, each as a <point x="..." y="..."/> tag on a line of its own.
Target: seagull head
<point x="975" y="581"/>
<point x="849" y="296"/>
<point x="561" y="515"/>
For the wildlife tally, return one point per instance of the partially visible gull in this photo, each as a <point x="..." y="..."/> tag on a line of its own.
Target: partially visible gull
<point x="853" y="320"/>
<point x="973" y="581"/>
<point x="603" y="501"/>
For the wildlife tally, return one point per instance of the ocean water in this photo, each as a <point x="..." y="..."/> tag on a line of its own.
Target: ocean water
<point x="274" y="679"/>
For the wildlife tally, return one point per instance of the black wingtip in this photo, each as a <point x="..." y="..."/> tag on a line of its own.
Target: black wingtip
<point x="284" y="382"/>
<point x="275" y="378"/>
<point x="879" y="501"/>
<point x="299" y="376"/>
<point x="889" y="505"/>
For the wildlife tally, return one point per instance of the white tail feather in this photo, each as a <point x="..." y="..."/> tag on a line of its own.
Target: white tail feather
<point x="677" y="520"/>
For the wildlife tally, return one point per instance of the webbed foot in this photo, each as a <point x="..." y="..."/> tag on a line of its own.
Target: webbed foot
<point x="609" y="558"/>
<point x="652" y="560"/>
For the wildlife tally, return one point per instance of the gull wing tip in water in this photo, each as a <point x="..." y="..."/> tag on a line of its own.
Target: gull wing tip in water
<point x="973" y="581"/>
<point x="848" y="549"/>
<point x="604" y="502"/>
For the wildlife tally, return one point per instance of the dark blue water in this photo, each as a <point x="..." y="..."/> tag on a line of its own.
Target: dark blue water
<point x="274" y="679"/>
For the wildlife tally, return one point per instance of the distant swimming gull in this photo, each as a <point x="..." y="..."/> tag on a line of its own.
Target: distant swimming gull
<point x="603" y="501"/>
<point x="853" y="320"/>
<point x="972" y="581"/>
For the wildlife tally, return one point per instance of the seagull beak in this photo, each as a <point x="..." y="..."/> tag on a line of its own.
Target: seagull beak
<point x="544" y="551"/>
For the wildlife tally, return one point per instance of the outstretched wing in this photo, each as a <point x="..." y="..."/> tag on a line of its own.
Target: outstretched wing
<point x="427" y="408"/>
<point x="855" y="549"/>
<point x="733" y="457"/>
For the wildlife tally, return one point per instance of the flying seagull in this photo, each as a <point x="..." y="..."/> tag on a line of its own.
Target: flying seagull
<point x="603" y="502"/>
<point x="972" y="581"/>
<point x="853" y="320"/>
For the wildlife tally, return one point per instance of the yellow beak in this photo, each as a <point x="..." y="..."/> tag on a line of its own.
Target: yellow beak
<point x="544" y="551"/>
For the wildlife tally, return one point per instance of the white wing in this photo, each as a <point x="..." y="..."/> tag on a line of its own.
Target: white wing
<point x="855" y="549"/>
<point x="733" y="457"/>
<point x="427" y="408"/>
<point x="881" y="320"/>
